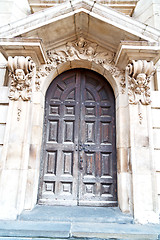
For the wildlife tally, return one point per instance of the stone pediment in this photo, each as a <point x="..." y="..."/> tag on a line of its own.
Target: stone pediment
<point x="66" y="22"/>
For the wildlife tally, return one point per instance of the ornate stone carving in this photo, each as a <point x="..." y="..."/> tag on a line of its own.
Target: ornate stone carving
<point x="82" y="50"/>
<point x="139" y="77"/>
<point x="21" y="70"/>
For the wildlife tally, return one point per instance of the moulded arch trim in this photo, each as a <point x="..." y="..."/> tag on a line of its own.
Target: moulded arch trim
<point x="81" y="64"/>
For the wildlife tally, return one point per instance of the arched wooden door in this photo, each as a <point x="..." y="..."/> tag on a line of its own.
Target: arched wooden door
<point x="79" y="156"/>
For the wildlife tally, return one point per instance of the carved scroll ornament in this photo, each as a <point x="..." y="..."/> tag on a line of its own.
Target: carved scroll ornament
<point x="82" y="50"/>
<point x="21" y="70"/>
<point x="139" y="77"/>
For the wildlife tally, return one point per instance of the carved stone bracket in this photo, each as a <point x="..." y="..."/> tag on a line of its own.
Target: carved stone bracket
<point x="139" y="77"/>
<point x="82" y="50"/>
<point x="21" y="73"/>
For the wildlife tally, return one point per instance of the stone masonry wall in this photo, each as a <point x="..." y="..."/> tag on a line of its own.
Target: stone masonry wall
<point x="3" y="114"/>
<point x="156" y="136"/>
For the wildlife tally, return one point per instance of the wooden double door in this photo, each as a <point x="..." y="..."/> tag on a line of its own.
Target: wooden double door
<point x="79" y="152"/>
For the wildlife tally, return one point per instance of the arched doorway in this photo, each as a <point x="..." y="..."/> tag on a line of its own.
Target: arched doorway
<point x="79" y="144"/>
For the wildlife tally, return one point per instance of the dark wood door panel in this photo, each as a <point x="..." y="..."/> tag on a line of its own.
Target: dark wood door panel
<point x="79" y="141"/>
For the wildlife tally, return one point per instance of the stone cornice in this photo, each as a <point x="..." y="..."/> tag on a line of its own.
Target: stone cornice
<point x="125" y="6"/>
<point x="23" y="47"/>
<point x="128" y="51"/>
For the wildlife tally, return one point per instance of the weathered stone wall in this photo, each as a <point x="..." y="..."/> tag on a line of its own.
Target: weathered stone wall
<point x="3" y="101"/>
<point x="3" y="114"/>
<point x="156" y="137"/>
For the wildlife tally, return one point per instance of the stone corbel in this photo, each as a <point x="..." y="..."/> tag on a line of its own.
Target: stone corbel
<point x="139" y="77"/>
<point x="21" y="73"/>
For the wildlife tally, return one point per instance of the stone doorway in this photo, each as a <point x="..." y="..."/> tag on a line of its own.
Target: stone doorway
<point x="79" y="145"/>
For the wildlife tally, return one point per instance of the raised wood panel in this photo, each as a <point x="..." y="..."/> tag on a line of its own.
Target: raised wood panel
<point x="54" y="110"/>
<point x="52" y="161"/>
<point x="69" y="110"/>
<point x="90" y="163"/>
<point x="68" y="162"/>
<point x="66" y="188"/>
<point x="90" y="132"/>
<point x="53" y="131"/>
<point x="50" y="187"/>
<point x="69" y="131"/>
<point x="105" y="158"/>
<point x="90" y="111"/>
<point x="105" y="132"/>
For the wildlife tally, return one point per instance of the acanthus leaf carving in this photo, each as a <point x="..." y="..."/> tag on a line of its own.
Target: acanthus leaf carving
<point x="82" y="50"/>
<point x="139" y="77"/>
<point x="21" y="71"/>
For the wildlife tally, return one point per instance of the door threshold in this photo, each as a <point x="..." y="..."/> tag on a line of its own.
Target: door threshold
<point x="76" y="214"/>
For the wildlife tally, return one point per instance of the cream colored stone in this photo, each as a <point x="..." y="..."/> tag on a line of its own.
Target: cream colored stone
<point x="159" y="201"/>
<point x="156" y="155"/>
<point x="81" y="64"/>
<point x="63" y="67"/>
<point x="3" y="115"/>
<point x="139" y="134"/>
<point x="126" y="7"/>
<point x="38" y="115"/>
<point x="142" y="197"/>
<point x="113" y="82"/>
<point x="122" y="100"/>
<point x="9" y="180"/>
<point x="19" y="126"/>
<point x="1" y="146"/>
<point x="98" y="68"/>
<point x="144" y="206"/>
<point x="124" y="192"/>
<point x="34" y="155"/>
<point x="2" y="132"/>
<point x="156" y="118"/>
<point x="122" y="160"/>
<point x="155" y="96"/>
<point x="12" y="10"/>
<point x="4" y="95"/>
<point x="142" y="160"/>
<point x="14" y="156"/>
<point x="38" y="98"/>
<point x="158" y="181"/>
<point x="36" y="135"/>
<point x="45" y="82"/>
<point x="156" y="138"/>
<point x="2" y="73"/>
<point x="122" y="128"/>
<point x="31" y="189"/>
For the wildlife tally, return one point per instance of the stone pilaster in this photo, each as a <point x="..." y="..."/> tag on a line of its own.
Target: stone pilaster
<point x="140" y="142"/>
<point x="15" y="155"/>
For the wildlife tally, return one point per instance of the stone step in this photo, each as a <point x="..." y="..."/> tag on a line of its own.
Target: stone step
<point x="42" y="230"/>
<point x="76" y="214"/>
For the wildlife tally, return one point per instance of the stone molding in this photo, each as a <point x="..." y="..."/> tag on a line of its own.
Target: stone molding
<point x="139" y="77"/>
<point x="86" y="51"/>
<point x="21" y="73"/>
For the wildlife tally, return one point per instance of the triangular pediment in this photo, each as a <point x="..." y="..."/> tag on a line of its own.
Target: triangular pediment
<point x="67" y="22"/>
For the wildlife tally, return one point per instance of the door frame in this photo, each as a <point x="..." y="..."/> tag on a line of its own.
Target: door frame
<point x="124" y="177"/>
